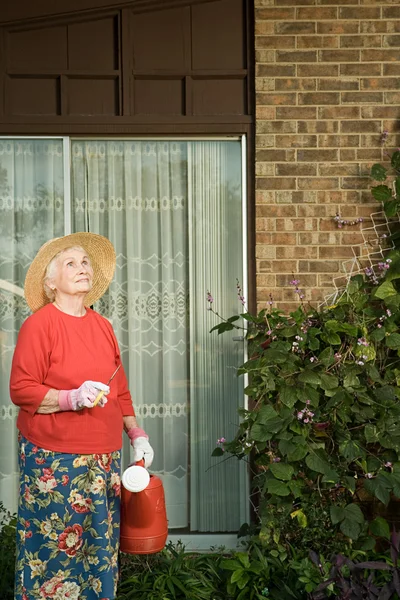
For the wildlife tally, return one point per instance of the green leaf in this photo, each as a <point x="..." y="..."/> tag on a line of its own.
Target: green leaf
<point x="329" y="382"/>
<point x="391" y="207"/>
<point x="260" y="433"/>
<point x="331" y="338"/>
<point x="327" y="357"/>
<point x="378" y="172"/>
<point x="350" y="528"/>
<point x="282" y="471"/>
<point x="382" y="193"/>
<point x="385" y="290"/>
<point x="380" y="527"/>
<point x="244" y="559"/>
<point x="308" y="376"/>
<point x="353" y="513"/>
<point x="395" y="160"/>
<point x="318" y="464"/>
<point x="351" y="381"/>
<point x="237" y="575"/>
<point x="378" y="488"/>
<point x="288" y="395"/>
<point x="393" y="341"/>
<point x="265" y="414"/>
<point x="371" y="434"/>
<point x="337" y="514"/>
<point x="217" y="452"/>
<point x="350" y="450"/>
<point x="277" y="487"/>
<point x="377" y="334"/>
<point x="349" y="483"/>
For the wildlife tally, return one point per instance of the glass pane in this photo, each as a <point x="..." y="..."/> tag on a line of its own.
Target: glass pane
<point x="32" y="212"/>
<point x="140" y="195"/>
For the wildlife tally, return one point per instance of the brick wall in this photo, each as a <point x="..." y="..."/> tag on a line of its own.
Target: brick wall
<point x="327" y="86"/>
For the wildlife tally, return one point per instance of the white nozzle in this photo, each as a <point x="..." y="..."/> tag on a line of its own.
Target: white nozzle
<point x="135" y="478"/>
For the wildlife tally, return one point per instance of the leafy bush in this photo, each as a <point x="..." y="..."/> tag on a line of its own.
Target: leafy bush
<point x="7" y="553"/>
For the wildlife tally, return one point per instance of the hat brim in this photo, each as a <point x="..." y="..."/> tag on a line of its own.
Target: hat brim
<point x="102" y="256"/>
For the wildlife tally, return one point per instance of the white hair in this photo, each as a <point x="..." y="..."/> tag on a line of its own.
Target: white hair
<point x="51" y="269"/>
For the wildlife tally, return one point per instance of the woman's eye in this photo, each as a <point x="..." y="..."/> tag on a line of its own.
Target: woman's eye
<point x="70" y="264"/>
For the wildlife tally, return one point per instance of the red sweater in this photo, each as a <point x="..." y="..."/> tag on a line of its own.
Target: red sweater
<point x="59" y="351"/>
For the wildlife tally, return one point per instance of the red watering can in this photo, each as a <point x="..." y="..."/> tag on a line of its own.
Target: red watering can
<point x="144" y="525"/>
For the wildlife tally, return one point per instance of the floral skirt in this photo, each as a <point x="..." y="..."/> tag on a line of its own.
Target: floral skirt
<point x="68" y="525"/>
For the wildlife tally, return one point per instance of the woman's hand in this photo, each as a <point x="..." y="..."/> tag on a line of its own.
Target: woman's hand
<point x="141" y="447"/>
<point x="84" y="396"/>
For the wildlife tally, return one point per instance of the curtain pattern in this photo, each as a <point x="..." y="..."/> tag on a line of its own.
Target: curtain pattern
<point x="135" y="194"/>
<point x="32" y="212"/>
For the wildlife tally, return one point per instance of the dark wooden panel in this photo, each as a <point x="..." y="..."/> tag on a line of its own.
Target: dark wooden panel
<point x="33" y="96"/>
<point x="219" y="96"/>
<point x="93" y="45"/>
<point x="37" y="49"/>
<point x="159" y="40"/>
<point x="159" y="96"/>
<point x="218" y="35"/>
<point x="93" y="96"/>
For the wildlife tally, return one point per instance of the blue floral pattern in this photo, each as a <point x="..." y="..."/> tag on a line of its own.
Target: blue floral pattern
<point x="68" y="525"/>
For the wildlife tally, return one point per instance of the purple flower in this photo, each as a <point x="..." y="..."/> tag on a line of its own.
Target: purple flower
<point x="369" y="475"/>
<point x="388" y="464"/>
<point x="295" y="282"/>
<point x="210" y="299"/>
<point x="276" y="459"/>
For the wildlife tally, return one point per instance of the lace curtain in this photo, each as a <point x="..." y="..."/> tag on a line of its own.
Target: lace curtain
<point x="173" y="212"/>
<point x="32" y="212"/>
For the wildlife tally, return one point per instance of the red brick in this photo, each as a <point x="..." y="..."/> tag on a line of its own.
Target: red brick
<point x="340" y="169"/>
<point x="277" y="127"/>
<point x="275" y="70"/>
<point x="265" y="112"/>
<point x="295" y="27"/>
<point x="306" y="155"/>
<point x="296" y="56"/>
<point x="296" y="224"/>
<point x="347" y="155"/>
<point x="316" y="14"/>
<point x="298" y="112"/>
<point x="275" y="41"/>
<point x="390" y="41"/>
<point x="296" y="141"/>
<point x="278" y="210"/>
<point x="359" y="12"/>
<point x="318" y="266"/>
<point x="295" y="169"/>
<point x="276" y="99"/>
<point x="337" y="141"/>
<point x="338" y="56"/>
<point x="317" y="41"/>
<point x="360" y="41"/>
<point x="283" y="239"/>
<point x="317" y="126"/>
<point x="338" y="84"/>
<point x="319" y="98"/>
<point x="339" y="112"/>
<point x="380" y="55"/>
<point x="361" y="97"/>
<point x="391" y="69"/>
<point x="271" y="155"/>
<point x="361" y="126"/>
<point x="315" y="70"/>
<point x="381" y="83"/>
<point x="274" y="14"/>
<point x="297" y="252"/>
<point x="318" y="239"/>
<point x="312" y="211"/>
<point x="373" y="27"/>
<point x="361" y="69"/>
<point x="266" y="281"/>
<point x="284" y="266"/>
<point x="318" y="183"/>
<point x="276" y="183"/>
<point x="295" y="84"/>
<point x="337" y="27"/>
<point x="392" y="97"/>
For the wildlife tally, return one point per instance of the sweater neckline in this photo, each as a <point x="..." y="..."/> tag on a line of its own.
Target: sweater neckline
<point x="67" y="316"/>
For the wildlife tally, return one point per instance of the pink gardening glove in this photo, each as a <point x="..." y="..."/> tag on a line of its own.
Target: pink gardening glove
<point x="83" y="397"/>
<point x="141" y="447"/>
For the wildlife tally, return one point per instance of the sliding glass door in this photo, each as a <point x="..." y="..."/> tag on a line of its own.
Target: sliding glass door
<point x="173" y="210"/>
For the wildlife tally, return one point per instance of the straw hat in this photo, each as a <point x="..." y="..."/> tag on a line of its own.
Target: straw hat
<point x="102" y="256"/>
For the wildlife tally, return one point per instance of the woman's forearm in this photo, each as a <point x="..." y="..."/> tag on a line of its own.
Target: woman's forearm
<point x="49" y="403"/>
<point x="129" y="422"/>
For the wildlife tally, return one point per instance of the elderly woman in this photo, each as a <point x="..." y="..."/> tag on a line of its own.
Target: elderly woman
<point x="70" y="423"/>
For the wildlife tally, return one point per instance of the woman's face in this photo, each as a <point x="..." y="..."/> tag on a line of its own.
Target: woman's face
<point x="73" y="274"/>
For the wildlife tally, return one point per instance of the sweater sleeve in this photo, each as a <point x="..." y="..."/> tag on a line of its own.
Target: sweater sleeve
<point x="30" y="364"/>
<point x="124" y="395"/>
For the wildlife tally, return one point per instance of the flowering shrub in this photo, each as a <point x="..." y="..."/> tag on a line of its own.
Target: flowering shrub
<point x="323" y="430"/>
